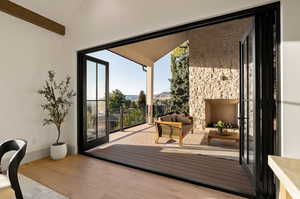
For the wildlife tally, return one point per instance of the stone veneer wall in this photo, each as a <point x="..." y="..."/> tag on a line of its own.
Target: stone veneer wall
<point x="214" y="65"/>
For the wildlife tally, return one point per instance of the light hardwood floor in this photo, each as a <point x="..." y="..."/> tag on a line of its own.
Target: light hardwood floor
<point x="81" y="177"/>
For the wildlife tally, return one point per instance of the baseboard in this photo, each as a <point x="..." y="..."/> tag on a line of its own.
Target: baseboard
<point x="36" y="155"/>
<point x="72" y="150"/>
<point x="43" y="153"/>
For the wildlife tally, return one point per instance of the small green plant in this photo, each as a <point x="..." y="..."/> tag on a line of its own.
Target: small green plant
<point x="58" y="100"/>
<point x="220" y="124"/>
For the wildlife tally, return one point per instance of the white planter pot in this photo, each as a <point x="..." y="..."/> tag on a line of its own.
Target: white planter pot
<point x="58" y="152"/>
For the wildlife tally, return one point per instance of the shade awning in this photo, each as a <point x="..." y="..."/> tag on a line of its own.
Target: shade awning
<point x="149" y="51"/>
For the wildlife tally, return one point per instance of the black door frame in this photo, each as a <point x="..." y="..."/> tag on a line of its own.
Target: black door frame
<point x="243" y="115"/>
<point x="264" y="57"/>
<point x="251" y="170"/>
<point x="83" y="144"/>
<point x="268" y="71"/>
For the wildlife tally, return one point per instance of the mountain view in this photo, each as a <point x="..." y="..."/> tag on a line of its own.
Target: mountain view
<point x="161" y="96"/>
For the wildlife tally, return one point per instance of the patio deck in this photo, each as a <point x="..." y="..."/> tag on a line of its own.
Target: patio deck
<point x="81" y="177"/>
<point x="215" y="165"/>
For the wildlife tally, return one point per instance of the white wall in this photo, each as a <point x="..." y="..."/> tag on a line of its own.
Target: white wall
<point x="290" y="78"/>
<point x="105" y="21"/>
<point x="27" y="52"/>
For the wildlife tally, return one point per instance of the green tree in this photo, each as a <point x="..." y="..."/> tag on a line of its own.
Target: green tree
<point x="180" y="79"/>
<point x="127" y="103"/>
<point x="116" y="99"/>
<point x="142" y="100"/>
<point x="133" y="104"/>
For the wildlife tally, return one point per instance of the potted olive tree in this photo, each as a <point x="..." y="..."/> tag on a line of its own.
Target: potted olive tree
<point x="58" y="100"/>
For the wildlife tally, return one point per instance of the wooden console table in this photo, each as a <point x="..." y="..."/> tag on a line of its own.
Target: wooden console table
<point x="213" y="134"/>
<point x="287" y="170"/>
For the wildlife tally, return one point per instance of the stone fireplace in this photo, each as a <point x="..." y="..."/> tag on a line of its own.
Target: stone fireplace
<point x="211" y="93"/>
<point x="214" y="72"/>
<point x="225" y="110"/>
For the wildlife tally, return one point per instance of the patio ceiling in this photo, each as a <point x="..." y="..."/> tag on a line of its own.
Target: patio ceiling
<point x="149" y="51"/>
<point x="216" y="45"/>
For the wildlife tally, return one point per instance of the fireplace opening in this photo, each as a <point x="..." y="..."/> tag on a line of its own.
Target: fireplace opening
<point x="225" y="110"/>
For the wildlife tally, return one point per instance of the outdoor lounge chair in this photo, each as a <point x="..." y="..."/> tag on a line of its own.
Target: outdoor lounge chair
<point x="175" y="126"/>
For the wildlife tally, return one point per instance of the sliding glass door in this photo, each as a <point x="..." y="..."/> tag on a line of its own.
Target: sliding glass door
<point x="95" y="110"/>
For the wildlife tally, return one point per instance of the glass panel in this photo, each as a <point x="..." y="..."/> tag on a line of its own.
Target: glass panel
<point x="95" y="132"/>
<point x="101" y="82"/>
<point x="245" y="65"/>
<point x="91" y="121"/>
<point x="101" y="119"/>
<point x="133" y="116"/>
<point x="91" y="80"/>
<point x="114" y="119"/>
<point x="251" y="120"/>
<point x="96" y="115"/>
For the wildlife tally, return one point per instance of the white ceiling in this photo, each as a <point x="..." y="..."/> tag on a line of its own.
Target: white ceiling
<point x="60" y="11"/>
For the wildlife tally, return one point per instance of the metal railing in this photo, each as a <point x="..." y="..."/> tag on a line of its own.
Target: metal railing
<point x="120" y="119"/>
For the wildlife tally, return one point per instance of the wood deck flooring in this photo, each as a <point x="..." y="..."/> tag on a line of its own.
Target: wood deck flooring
<point x="218" y="172"/>
<point x="81" y="177"/>
<point x="185" y="164"/>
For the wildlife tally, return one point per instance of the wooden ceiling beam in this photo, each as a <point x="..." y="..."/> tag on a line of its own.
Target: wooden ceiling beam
<point x="31" y="17"/>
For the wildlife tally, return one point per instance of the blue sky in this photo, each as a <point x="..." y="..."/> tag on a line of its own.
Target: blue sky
<point x="162" y="74"/>
<point x="129" y="77"/>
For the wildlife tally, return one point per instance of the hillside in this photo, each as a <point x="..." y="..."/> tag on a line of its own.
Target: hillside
<point x="160" y="96"/>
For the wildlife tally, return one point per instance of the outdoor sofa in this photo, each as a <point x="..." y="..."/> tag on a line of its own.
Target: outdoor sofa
<point x="174" y="126"/>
